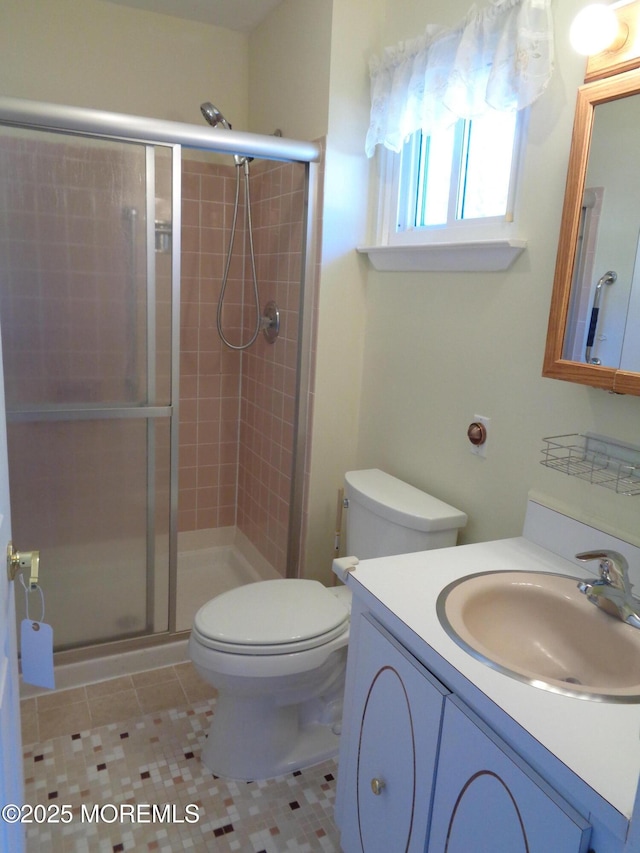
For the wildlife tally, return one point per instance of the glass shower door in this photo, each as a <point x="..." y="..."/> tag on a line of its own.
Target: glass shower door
<point x="87" y="321"/>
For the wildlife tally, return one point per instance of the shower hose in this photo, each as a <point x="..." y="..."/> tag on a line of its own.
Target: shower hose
<point x="242" y="163"/>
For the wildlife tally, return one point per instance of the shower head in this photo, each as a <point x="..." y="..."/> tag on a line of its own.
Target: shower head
<point x="213" y="115"/>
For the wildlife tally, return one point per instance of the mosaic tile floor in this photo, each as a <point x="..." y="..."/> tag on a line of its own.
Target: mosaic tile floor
<point x="113" y="775"/>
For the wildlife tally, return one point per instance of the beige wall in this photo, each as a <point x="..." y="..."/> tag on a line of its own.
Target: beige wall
<point x="342" y="301"/>
<point x="97" y="54"/>
<point x="289" y="57"/>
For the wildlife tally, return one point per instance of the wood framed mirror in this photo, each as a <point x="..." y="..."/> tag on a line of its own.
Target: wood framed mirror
<point x="593" y="335"/>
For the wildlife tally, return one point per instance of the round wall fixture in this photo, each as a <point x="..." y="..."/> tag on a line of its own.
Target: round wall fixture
<point x="477" y="433"/>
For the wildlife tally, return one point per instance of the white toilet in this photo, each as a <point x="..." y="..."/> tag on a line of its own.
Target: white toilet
<point x="276" y="650"/>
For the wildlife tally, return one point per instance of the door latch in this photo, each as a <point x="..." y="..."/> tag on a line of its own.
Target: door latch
<point x="18" y="560"/>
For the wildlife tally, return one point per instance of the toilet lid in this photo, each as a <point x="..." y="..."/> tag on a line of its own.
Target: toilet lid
<point x="270" y="617"/>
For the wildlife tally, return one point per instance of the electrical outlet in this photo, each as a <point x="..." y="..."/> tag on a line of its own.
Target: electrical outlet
<point x="481" y="449"/>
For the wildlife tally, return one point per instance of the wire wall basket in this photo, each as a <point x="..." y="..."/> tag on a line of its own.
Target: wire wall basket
<point x="595" y="458"/>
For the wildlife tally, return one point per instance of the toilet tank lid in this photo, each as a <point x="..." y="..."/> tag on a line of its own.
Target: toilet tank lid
<point x="397" y="501"/>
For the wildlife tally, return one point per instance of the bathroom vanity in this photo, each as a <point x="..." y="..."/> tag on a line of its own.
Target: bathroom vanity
<point x="440" y="752"/>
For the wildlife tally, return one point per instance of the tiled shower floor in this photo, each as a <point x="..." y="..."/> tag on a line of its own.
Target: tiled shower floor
<point x="151" y="757"/>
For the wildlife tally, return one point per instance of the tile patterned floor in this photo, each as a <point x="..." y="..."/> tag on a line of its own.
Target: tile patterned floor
<point x="126" y="767"/>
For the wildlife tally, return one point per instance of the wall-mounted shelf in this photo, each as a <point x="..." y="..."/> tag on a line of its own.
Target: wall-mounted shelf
<point x="600" y="460"/>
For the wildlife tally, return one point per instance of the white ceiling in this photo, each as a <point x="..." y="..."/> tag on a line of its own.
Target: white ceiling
<point x="241" y="15"/>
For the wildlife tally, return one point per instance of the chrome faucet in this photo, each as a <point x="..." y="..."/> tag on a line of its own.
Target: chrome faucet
<point x="612" y="592"/>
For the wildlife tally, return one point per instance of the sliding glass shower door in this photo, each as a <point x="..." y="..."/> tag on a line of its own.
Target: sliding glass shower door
<point x="88" y="311"/>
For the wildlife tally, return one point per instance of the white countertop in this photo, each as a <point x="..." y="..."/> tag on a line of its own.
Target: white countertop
<point x="599" y="741"/>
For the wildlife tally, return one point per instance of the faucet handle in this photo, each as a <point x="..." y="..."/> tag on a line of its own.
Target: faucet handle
<point x="613" y="566"/>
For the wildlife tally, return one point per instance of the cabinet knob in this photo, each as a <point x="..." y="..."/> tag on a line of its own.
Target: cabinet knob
<point x="377" y="785"/>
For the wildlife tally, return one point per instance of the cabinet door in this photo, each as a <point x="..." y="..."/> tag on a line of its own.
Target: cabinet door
<point x="397" y="707"/>
<point x="488" y="800"/>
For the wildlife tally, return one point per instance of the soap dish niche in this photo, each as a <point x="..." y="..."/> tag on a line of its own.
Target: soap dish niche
<point x="598" y="459"/>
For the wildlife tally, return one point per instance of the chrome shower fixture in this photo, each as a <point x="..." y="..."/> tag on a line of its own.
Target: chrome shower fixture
<point x="213" y="115"/>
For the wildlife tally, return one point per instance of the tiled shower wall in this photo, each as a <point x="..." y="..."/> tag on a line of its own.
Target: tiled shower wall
<point x="270" y="370"/>
<point x="209" y="372"/>
<point x="242" y="475"/>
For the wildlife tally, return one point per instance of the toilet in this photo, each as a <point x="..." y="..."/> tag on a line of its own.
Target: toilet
<point x="276" y="650"/>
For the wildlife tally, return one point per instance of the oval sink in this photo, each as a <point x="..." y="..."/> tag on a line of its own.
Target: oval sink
<point x="540" y="629"/>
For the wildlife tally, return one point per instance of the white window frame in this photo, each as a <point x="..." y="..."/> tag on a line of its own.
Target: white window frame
<point x="490" y="243"/>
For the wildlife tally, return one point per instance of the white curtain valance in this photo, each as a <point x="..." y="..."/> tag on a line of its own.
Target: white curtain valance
<point x="500" y="57"/>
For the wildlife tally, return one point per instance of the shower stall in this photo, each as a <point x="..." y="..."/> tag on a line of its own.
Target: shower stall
<point x="150" y="463"/>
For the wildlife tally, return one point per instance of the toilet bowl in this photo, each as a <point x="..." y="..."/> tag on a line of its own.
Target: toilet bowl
<point x="276" y="650"/>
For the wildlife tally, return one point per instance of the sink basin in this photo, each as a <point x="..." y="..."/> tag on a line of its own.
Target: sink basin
<point x="538" y="628"/>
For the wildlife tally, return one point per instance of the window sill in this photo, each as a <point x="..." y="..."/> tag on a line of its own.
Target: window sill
<point x="478" y="256"/>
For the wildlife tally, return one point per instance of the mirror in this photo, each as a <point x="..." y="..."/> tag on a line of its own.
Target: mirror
<point x="592" y="337"/>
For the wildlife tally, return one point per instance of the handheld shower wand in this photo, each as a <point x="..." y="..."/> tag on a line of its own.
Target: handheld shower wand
<point x="269" y="323"/>
<point x="213" y="115"/>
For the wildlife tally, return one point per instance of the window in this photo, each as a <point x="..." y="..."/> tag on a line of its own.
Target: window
<point x="454" y="182"/>
<point x="447" y="200"/>
<point x="447" y="197"/>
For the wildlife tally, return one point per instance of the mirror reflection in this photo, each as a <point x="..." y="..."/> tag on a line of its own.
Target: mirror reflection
<point x="595" y="302"/>
<point x="605" y="290"/>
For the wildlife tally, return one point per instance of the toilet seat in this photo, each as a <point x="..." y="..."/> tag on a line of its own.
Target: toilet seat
<point x="273" y="617"/>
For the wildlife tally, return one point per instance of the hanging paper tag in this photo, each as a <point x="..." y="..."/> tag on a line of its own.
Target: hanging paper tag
<point x="36" y="651"/>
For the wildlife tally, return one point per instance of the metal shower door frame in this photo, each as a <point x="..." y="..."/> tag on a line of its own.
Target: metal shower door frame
<point x="304" y="378"/>
<point x="149" y="411"/>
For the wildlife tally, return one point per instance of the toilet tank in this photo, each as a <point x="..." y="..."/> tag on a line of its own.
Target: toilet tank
<point x="388" y="516"/>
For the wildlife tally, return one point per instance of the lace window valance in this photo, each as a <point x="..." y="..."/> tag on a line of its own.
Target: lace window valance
<point x="500" y="57"/>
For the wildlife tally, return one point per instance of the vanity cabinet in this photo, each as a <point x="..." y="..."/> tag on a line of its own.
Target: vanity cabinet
<point x="419" y="771"/>
<point x="391" y="736"/>
<point x="488" y="800"/>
